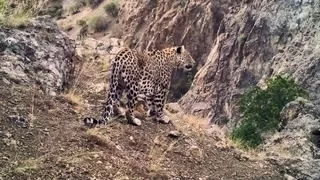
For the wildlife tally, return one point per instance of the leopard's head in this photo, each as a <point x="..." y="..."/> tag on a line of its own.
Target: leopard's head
<point x="184" y="59"/>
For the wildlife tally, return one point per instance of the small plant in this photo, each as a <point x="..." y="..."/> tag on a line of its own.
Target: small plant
<point x="81" y="22"/>
<point x="261" y="109"/>
<point x="183" y="3"/>
<point x="76" y="7"/>
<point x="94" y="3"/>
<point x="242" y="38"/>
<point x="53" y="10"/>
<point x="111" y="9"/>
<point x="27" y="166"/>
<point x="58" y="13"/>
<point x="83" y="32"/>
<point x="98" y="24"/>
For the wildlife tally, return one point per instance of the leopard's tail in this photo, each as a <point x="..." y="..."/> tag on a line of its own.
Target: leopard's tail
<point x="108" y="108"/>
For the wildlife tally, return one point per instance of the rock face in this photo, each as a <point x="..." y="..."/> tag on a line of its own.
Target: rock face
<point x="237" y="45"/>
<point x="159" y="24"/>
<point x="37" y="54"/>
<point x="256" y="40"/>
<point x="297" y="146"/>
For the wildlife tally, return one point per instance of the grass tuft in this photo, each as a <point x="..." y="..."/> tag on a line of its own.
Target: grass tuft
<point x="98" y="23"/>
<point x="27" y="166"/>
<point x="15" y="15"/>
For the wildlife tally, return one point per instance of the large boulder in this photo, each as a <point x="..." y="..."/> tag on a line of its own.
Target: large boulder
<point x="38" y="54"/>
<point x="297" y="145"/>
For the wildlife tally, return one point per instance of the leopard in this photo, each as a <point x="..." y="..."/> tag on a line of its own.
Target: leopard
<point x="143" y="75"/>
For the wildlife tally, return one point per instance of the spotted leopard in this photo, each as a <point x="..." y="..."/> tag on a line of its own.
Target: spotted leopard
<point x="148" y="74"/>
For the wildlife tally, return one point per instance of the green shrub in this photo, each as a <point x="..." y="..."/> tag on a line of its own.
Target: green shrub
<point x="111" y="9"/>
<point x="94" y="3"/>
<point x="261" y="109"/>
<point x="75" y="8"/>
<point x="98" y="24"/>
<point x="54" y="10"/>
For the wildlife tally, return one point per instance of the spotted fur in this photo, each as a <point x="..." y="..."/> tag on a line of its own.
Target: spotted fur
<point x="146" y="73"/>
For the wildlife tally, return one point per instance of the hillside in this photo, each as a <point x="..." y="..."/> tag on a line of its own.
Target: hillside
<point x="42" y="135"/>
<point x="58" y="146"/>
<point x="55" y="71"/>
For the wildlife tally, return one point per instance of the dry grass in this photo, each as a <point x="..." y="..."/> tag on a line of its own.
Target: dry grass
<point x="237" y="144"/>
<point x="79" y="157"/>
<point x="157" y="154"/>
<point x="104" y="65"/>
<point x="21" y="14"/>
<point x="27" y="165"/>
<point x="117" y="31"/>
<point x="66" y="27"/>
<point x="19" y="20"/>
<point x="31" y="114"/>
<point x="81" y="22"/>
<point x="92" y="74"/>
<point x="74" y="98"/>
<point x="95" y="136"/>
<point x="189" y="124"/>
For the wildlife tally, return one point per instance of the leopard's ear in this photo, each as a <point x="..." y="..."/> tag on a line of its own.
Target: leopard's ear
<point x="180" y="49"/>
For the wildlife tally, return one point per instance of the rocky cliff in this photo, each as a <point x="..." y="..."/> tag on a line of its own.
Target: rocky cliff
<point x="38" y="54"/>
<point x="237" y="45"/>
<point x="159" y="24"/>
<point x="259" y="40"/>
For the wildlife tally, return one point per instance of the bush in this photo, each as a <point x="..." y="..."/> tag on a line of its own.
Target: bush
<point x="94" y="3"/>
<point x="98" y="24"/>
<point x="111" y="9"/>
<point x="54" y="10"/>
<point x="261" y="109"/>
<point x="75" y="8"/>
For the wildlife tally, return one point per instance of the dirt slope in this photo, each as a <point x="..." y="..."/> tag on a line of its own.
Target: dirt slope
<point x="55" y="145"/>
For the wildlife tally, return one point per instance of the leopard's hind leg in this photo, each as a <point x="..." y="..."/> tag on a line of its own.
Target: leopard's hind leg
<point x="111" y="98"/>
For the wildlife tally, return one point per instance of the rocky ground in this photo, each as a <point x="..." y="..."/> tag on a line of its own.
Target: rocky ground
<point x="53" y="144"/>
